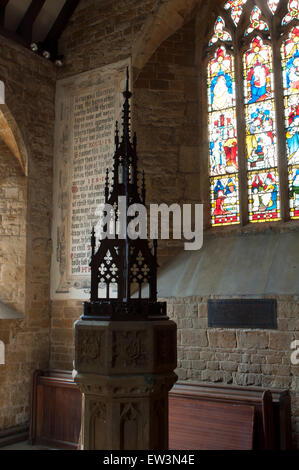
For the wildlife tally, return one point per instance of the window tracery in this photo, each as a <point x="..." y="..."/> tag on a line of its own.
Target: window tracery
<point x="245" y="145"/>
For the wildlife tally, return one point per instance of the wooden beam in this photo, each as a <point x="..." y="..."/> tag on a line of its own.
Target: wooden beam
<point x="12" y="36"/>
<point x="26" y="25"/>
<point x="51" y="42"/>
<point x="3" y="4"/>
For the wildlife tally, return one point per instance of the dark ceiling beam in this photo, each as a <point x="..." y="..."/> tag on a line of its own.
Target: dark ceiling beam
<point x="3" y="4"/>
<point x="51" y="42"/>
<point x="12" y="36"/>
<point x="26" y="25"/>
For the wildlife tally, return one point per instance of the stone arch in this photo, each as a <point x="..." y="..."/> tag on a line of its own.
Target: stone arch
<point x="10" y="134"/>
<point x="166" y="18"/>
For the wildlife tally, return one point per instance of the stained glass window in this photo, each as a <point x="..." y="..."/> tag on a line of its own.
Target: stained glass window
<point x="236" y="9"/>
<point x="224" y="188"/>
<point x="260" y="133"/>
<point x="293" y="12"/>
<point x="256" y="22"/>
<point x="273" y="4"/>
<point x="269" y="171"/>
<point x="290" y="65"/>
<point x="219" y="33"/>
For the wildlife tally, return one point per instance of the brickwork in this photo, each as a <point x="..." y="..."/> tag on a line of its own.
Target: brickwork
<point x="235" y="356"/>
<point x="63" y="315"/>
<point x="25" y="245"/>
<point x="12" y="230"/>
<point x="102" y="32"/>
<point x="166" y="121"/>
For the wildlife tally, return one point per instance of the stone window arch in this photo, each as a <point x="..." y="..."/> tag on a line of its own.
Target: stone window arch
<point x="252" y="63"/>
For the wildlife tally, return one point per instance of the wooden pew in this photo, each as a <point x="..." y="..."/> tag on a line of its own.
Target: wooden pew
<point x="209" y="425"/>
<point x="278" y="412"/>
<point x="55" y="418"/>
<point x="261" y="416"/>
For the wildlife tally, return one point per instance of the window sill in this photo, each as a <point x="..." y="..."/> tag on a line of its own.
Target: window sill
<point x="266" y="227"/>
<point x="8" y="313"/>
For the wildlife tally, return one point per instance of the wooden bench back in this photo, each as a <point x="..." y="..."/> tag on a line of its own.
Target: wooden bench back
<point x="56" y="413"/>
<point x="55" y="410"/>
<point x="208" y="425"/>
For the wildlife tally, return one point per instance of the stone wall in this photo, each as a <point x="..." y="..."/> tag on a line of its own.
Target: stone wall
<point x="235" y="356"/>
<point x="63" y="315"/>
<point x="240" y="357"/>
<point x="12" y="230"/>
<point x="30" y="90"/>
<point x="166" y="119"/>
<point x="101" y="32"/>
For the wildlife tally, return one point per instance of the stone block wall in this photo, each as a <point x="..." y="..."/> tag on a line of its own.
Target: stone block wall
<point x="63" y="315"/>
<point x="12" y="230"/>
<point x="166" y="119"/>
<point x="102" y="32"/>
<point x="236" y="356"/>
<point x="25" y="237"/>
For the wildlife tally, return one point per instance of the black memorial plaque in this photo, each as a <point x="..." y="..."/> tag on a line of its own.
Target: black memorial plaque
<point x="243" y="313"/>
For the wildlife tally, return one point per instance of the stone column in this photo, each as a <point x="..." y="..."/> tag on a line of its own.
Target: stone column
<point x="125" y="371"/>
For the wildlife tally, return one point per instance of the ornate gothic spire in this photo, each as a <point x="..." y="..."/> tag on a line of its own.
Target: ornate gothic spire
<point x="124" y="271"/>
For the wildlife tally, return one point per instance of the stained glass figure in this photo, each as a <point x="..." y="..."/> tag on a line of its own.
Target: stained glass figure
<point x="225" y="200"/>
<point x="290" y="66"/>
<point x="256" y="22"/>
<point x="294" y="191"/>
<point x="223" y="139"/>
<point x="219" y="33"/>
<point x="264" y="204"/>
<point x="273" y="4"/>
<point x="293" y="12"/>
<point x="223" y="143"/>
<point x="260" y="136"/>
<point x="258" y="72"/>
<point x="292" y="135"/>
<point x="260" y="133"/>
<point x="221" y="81"/>
<point x="236" y="9"/>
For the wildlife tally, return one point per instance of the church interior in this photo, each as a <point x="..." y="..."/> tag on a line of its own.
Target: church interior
<point x="215" y="88"/>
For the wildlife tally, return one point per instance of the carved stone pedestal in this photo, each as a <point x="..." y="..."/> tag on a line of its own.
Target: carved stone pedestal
<point x="125" y="370"/>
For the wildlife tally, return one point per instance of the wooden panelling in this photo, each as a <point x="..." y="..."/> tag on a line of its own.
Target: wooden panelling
<point x="56" y="410"/>
<point x="252" y="396"/>
<point x="201" y="416"/>
<point x="207" y="425"/>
